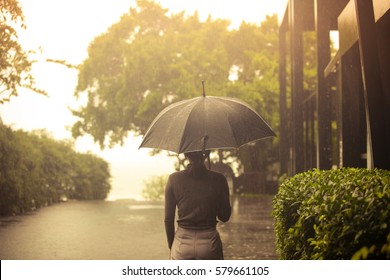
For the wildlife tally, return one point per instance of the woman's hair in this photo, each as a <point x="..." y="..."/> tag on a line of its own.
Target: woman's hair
<point x="197" y="168"/>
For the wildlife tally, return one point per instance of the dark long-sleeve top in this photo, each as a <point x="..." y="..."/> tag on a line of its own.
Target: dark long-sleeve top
<point x="200" y="201"/>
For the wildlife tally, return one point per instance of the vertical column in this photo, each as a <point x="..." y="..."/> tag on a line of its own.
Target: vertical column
<point x="308" y="110"/>
<point x="296" y="8"/>
<point x="313" y="106"/>
<point x="324" y="109"/>
<point x="283" y="131"/>
<point x="352" y="119"/>
<point x="339" y="114"/>
<point x="378" y="154"/>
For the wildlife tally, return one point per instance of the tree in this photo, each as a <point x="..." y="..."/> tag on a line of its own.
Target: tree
<point x="10" y="187"/>
<point x="154" y="188"/>
<point x="15" y="65"/>
<point x="254" y="52"/>
<point x="151" y="58"/>
<point x="36" y="170"/>
<point x="90" y="177"/>
<point x="143" y="63"/>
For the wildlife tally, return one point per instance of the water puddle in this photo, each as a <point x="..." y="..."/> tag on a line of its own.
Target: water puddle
<point x="145" y="207"/>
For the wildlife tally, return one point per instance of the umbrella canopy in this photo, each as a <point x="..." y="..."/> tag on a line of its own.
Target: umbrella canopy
<point x="205" y="123"/>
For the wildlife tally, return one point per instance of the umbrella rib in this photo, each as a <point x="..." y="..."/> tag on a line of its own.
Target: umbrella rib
<point x="220" y="101"/>
<point x="157" y="118"/>
<point x="193" y="101"/>
<point x="246" y="107"/>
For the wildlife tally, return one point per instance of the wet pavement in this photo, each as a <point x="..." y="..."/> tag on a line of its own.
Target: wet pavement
<point x="127" y="230"/>
<point x="249" y="235"/>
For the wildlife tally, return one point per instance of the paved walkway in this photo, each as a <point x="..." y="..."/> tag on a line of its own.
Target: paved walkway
<point x="249" y="235"/>
<point x="123" y="230"/>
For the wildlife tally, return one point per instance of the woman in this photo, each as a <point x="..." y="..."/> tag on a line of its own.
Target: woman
<point x="201" y="197"/>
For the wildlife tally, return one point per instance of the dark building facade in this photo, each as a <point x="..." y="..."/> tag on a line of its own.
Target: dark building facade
<point x="344" y="122"/>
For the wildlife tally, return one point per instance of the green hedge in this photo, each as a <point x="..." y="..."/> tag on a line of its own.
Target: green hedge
<point x="334" y="214"/>
<point x="37" y="170"/>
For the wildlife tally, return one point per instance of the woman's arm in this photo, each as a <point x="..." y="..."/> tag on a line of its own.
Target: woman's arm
<point x="224" y="209"/>
<point x="170" y="207"/>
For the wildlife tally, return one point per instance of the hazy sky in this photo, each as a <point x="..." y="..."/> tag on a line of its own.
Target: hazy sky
<point x="63" y="29"/>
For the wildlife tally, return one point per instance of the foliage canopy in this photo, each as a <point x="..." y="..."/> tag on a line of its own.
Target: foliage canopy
<point x="15" y="66"/>
<point x="152" y="58"/>
<point x="36" y="170"/>
<point x="154" y="188"/>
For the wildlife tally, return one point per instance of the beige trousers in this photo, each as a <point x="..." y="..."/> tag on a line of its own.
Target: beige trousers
<point x="196" y="245"/>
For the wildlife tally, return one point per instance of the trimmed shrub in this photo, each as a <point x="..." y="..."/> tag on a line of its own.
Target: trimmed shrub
<point x="334" y="214"/>
<point x="37" y="170"/>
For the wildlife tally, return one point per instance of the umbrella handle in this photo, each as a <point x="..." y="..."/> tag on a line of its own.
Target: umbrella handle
<point x="205" y="137"/>
<point x="204" y="150"/>
<point x="203" y="142"/>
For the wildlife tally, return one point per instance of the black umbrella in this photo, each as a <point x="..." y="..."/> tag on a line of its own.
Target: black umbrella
<point x="205" y="123"/>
